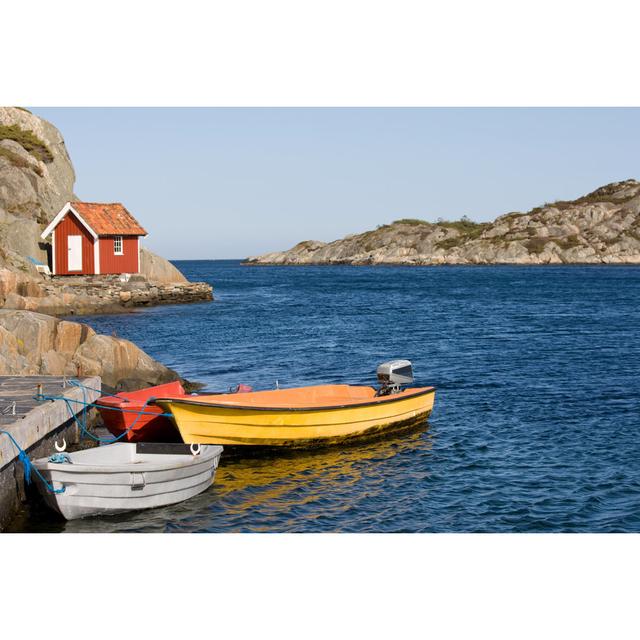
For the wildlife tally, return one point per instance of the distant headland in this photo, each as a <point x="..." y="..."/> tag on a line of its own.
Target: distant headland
<point x="602" y="227"/>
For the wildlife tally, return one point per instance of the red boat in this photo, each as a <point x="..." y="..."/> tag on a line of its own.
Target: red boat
<point x="149" y="423"/>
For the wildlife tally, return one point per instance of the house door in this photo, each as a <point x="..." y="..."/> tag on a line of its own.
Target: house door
<point x="74" y="253"/>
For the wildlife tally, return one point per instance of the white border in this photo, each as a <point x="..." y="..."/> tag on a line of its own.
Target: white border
<point x="342" y="586"/>
<point x="337" y="52"/>
<point x="332" y="53"/>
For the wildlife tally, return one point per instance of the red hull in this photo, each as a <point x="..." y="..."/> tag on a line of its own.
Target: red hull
<point x="121" y="411"/>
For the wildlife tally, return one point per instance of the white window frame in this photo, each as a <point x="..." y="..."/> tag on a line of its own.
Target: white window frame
<point x="115" y="246"/>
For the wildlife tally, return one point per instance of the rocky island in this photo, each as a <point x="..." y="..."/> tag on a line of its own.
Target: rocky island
<point x="602" y="227"/>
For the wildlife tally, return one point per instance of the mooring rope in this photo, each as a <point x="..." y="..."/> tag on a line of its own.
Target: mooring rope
<point x="41" y="396"/>
<point x="28" y="466"/>
<point x="82" y="420"/>
<point x="77" y="383"/>
<point x="82" y="423"/>
<point x="60" y="458"/>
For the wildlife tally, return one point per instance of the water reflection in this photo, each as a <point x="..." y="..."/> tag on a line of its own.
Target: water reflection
<point x="271" y="484"/>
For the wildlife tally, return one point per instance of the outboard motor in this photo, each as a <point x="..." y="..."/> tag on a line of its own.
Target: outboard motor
<point x="393" y="375"/>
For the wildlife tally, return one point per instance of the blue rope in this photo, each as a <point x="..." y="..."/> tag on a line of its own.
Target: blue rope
<point x="60" y="458"/>
<point x="77" y="383"/>
<point x="82" y="420"/>
<point x="82" y="423"/>
<point x="41" y="396"/>
<point x="26" y="463"/>
<point x="28" y="466"/>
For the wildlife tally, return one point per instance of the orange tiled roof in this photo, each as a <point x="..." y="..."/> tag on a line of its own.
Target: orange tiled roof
<point x="108" y="219"/>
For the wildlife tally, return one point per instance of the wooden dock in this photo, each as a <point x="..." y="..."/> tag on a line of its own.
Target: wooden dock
<point x="35" y="424"/>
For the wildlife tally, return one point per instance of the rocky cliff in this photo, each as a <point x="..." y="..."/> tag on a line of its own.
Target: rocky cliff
<point x="36" y="179"/>
<point x="602" y="227"/>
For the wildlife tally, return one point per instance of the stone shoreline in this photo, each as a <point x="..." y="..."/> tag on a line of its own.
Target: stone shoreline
<point x="77" y="295"/>
<point x="418" y="263"/>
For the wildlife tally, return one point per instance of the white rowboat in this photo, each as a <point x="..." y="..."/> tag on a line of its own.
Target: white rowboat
<point x="125" y="476"/>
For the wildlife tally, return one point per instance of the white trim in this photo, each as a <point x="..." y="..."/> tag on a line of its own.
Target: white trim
<point x="138" y="254"/>
<point x="87" y="227"/>
<point x="121" y="252"/>
<point x="96" y="256"/>
<point x="62" y="213"/>
<point x="53" y="253"/>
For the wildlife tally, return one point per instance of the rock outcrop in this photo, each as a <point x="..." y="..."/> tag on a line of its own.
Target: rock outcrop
<point x="602" y="227"/>
<point x="36" y="180"/>
<point x="157" y="269"/>
<point x="36" y="174"/>
<point x="37" y="344"/>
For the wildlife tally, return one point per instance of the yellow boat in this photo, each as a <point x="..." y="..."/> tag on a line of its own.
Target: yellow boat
<point x="303" y="416"/>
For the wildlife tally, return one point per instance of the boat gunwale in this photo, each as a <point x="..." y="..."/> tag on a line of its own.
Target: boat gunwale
<point x="139" y="398"/>
<point x="148" y="466"/>
<point x="357" y="405"/>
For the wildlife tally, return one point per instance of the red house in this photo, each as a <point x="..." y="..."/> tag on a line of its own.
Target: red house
<point x="91" y="238"/>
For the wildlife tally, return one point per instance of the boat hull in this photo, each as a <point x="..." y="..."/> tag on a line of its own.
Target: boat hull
<point x="210" y="423"/>
<point x="126" y="481"/>
<point x="127" y="413"/>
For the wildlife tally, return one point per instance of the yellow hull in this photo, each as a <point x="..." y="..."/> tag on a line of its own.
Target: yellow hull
<point x="208" y="421"/>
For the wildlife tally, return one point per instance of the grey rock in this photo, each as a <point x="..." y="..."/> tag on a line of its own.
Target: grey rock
<point x="158" y="269"/>
<point x="23" y="237"/>
<point x="14" y="301"/>
<point x="25" y="193"/>
<point x="118" y="359"/>
<point x="52" y="364"/>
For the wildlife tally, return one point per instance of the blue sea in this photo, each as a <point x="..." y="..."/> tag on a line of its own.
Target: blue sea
<point x="536" y="426"/>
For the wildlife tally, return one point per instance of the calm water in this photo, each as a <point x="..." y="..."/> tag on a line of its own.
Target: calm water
<point x="536" y="425"/>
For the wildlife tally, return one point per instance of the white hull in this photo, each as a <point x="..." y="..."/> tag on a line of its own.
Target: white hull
<point x="114" y="478"/>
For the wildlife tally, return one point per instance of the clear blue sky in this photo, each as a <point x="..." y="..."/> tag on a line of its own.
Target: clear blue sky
<point x="228" y="183"/>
